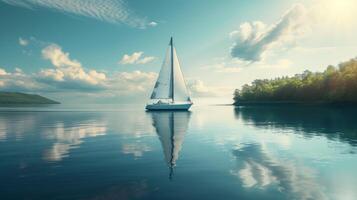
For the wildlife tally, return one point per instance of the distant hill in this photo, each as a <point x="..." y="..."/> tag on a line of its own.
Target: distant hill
<point x="22" y="98"/>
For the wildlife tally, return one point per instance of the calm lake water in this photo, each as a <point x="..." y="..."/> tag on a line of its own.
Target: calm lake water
<point x="212" y="152"/>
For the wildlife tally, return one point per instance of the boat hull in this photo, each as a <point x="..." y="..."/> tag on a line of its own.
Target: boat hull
<point x="168" y="106"/>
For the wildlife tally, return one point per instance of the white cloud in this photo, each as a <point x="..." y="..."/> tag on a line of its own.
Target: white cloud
<point x="69" y="73"/>
<point x="113" y="11"/>
<point x="2" y="72"/>
<point x="120" y="84"/>
<point x="18" y="70"/>
<point x="17" y="81"/>
<point x="23" y="42"/>
<point x="57" y="57"/>
<point x="131" y="59"/>
<point x="252" y="40"/>
<point x="198" y="88"/>
<point x="136" y="58"/>
<point x="146" y="60"/>
<point x="133" y="82"/>
<point x="153" y="24"/>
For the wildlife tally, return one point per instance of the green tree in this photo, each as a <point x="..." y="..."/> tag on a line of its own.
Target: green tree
<point x="332" y="85"/>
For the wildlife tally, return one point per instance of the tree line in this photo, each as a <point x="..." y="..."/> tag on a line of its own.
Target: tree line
<point x="334" y="85"/>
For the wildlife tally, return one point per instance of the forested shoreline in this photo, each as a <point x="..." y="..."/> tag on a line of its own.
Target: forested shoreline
<point x="334" y="85"/>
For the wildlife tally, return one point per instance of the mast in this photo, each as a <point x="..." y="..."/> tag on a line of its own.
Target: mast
<point x="172" y="135"/>
<point x="172" y="70"/>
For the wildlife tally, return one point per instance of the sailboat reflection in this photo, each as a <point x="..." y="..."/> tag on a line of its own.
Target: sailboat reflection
<point x="171" y="127"/>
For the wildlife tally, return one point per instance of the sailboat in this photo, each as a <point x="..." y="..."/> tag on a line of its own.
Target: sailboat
<point x="170" y="91"/>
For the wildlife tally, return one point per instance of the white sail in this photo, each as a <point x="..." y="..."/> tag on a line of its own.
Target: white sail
<point x="170" y="83"/>
<point x="162" y="85"/>
<point x="180" y="89"/>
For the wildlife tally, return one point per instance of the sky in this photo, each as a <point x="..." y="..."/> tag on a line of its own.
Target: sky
<point x="111" y="51"/>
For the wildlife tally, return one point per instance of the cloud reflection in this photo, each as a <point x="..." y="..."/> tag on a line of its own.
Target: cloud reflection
<point x="3" y="130"/>
<point x="70" y="137"/>
<point x="134" y="129"/>
<point x="136" y="149"/>
<point x="257" y="168"/>
<point x="15" y="125"/>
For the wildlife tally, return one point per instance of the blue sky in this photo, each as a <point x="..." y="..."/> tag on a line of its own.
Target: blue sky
<point x="73" y="49"/>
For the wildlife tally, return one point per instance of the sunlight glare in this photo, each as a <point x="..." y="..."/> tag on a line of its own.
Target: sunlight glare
<point x="339" y="11"/>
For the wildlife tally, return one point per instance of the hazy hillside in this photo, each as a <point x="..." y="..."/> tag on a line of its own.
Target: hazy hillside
<point x="22" y="98"/>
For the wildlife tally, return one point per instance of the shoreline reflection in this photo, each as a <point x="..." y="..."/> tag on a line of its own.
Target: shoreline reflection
<point x="334" y="123"/>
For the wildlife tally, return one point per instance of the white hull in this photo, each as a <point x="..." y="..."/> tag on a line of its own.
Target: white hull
<point x="178" y="106"/>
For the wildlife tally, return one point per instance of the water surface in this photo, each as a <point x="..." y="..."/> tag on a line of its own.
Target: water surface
<point x="212" y="152"/>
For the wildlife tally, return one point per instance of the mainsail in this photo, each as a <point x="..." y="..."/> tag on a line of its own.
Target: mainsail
<point x="170" y="83"/>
